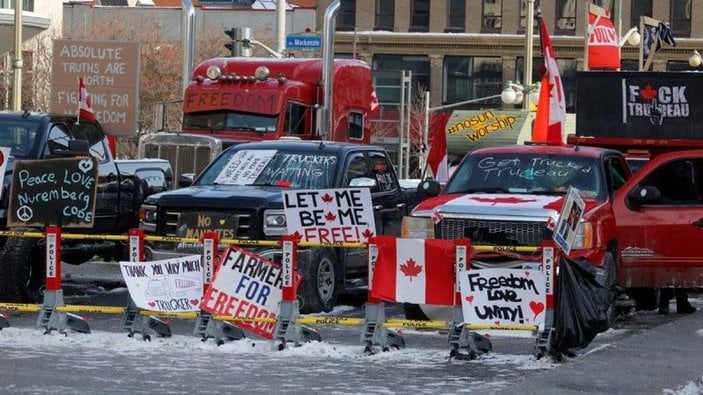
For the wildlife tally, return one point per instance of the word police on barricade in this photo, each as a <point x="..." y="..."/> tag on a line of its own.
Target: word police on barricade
<point x="249" y="291"/>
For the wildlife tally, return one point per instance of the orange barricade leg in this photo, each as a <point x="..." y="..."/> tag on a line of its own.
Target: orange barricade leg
<point x="49" y="318"/>
<point x="374" y="336"/>
<point x="132" y="321"/>
<point x="287" y="330"/>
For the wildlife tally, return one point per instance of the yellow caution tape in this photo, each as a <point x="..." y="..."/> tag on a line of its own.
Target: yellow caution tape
<point x="32" y="308"/>
<point x="91" y="309"/>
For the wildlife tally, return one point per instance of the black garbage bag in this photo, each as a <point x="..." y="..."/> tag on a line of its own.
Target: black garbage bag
<point x="581" y="308"/>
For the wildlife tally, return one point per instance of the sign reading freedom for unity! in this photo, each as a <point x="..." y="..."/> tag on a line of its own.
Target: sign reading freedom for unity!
<point x="504" y="297"/>
<point x="53" y="191"/>
<point x="245" y="285"/>
<point x="110" y="71"/>
<point x="342" y="215"/>
<point x="173" y="285"/>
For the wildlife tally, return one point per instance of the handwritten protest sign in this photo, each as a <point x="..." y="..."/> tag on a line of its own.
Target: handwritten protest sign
<point x="244" y="167"/>
<point x="503" y="297"/>
<point x="172" y="285"/>
<point x="569" y="218"/>
<point x="331" y="216"/>
<point x="4" y="157"/>
<point x="53" y="191"/>
<point x="245" y="285"/>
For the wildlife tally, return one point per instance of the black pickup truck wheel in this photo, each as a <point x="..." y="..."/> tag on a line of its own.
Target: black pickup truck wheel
<point x="22" y="270"/>
<point x="322" y="282"/>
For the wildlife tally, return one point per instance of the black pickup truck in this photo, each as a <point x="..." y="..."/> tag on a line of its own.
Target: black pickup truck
<point x="255" y="211"/>
<point x="121" y="187"/>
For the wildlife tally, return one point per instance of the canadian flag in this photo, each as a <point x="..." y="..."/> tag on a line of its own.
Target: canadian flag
<point x="557" y="103"/>
<point x="414" y="270"/>
<point x="437" y="158"/>
<point x="85" y="110"/>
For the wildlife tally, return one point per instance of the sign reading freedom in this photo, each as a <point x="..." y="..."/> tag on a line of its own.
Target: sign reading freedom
<point x="53" y="192"/>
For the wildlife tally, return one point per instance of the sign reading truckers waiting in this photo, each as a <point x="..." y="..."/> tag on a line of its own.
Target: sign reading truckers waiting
<point x="245" y="285"/>
<point x="343" y="215"/>
<point x="504" y="297"/>
<point x="110" y="71"/>
<point x="170" y="285"/>
<point x="57" y="192"/>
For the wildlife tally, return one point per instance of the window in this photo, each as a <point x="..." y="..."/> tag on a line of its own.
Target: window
<point x="357" y="167"/>
<point x="523" y="18"/>
<point x="467" y="78"/>
<point x="420" y="16"/>
<point x="681" y="17"/>
<point x="387" y="74"/>
<point x="382" y="172"/>
<point x="456" y="16"/>
<point x="566" y="15"/>
<point x="346" y="17"/>
<point x="294" y="123"/>
<point x="615" y="173"/>
<point x="639" y="8"/>
<point x="356" y="125"/>
<point x="27" y="5"/>
<point x="385" y="15"/>
<point x="680" y="182"/>
<point x="492" y="11"/>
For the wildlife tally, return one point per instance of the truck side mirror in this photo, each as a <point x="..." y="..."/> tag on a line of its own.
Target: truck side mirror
<point x="644" y="195"/>
<point x="186" y="180"/>
<point x="428" y="188"/>
<point x="362" y="182"/>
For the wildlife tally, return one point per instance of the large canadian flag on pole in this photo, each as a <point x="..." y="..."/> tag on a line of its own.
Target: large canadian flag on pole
<point x="556" y="109"/>
<point x="414" y="271"/>
<point x="85" y="110"/>
<point x="437" y="158"/>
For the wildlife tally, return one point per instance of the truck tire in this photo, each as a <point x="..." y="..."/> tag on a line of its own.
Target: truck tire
<point x="322" y="281"/>
<point x="611" y="275"/>
<point x="645" y="298"/>
<point x="22" y="270"/>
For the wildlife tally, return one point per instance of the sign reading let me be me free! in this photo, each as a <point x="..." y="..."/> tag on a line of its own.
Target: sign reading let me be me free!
<point x="110" y="71"/>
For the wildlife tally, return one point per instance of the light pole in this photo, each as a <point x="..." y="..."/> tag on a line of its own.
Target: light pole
<point x="529" y="38"/>
<point x="17" y="63"/>
<point x="520" y="93"/>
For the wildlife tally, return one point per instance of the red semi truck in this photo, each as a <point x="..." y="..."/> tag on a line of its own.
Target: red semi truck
<point x="642" y="231"/>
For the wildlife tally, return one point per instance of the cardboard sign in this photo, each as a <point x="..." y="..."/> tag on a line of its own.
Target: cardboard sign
<point x="331" y="216"/>
<point x="244" y="167"/>
<point x="245" y="285"/>
<point x="569" y="218"/>
<point x="53" y="191"/>
<point x="169" y="285"/>
<point x="503" y="297"/>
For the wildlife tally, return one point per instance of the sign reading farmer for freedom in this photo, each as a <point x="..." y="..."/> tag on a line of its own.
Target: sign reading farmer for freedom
<point x="110" y="72"/>
<point x="245" y="285"/>
<point x="504" y="297"/>
<point x="331" y="216"/>
<point x="171" y="285"/>
<point x="53" y="192"/>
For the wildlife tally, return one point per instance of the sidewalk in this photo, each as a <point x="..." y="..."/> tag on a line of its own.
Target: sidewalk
<point x="666" y="359"/>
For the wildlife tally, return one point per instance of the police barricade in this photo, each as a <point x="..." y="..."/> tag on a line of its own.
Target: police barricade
<point x="290" y="326"/>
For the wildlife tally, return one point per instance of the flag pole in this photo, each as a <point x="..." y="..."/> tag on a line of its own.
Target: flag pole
<point x="78" y="115"/>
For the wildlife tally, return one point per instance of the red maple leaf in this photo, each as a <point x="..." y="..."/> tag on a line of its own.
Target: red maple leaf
<point x="298" y="236"/>
<point x="648" y="93"/>
<point x="410" y="268"/>
<point x="511" y="200"/>
<point x="327" y="198"/>
<point x="367" y="233"/>
<point x="330" y="216"/>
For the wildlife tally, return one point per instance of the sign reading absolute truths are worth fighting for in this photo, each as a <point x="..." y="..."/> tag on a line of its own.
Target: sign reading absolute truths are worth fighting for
<point x="342" y="215"/>
<point x="58" y="192"/>
<point x="503" y="297"/>
<point x="171" y="285"/>
<point x="245" y="285"/>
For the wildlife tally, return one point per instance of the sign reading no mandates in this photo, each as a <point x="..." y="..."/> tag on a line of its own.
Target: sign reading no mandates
<point x="53" y="192"/>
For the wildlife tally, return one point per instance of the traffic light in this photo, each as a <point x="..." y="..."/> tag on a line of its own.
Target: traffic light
<point x="232" y="45"/>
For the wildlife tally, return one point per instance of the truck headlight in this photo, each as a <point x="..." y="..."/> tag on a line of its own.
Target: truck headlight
<point x="274" y="223"/>
<point x="584" y="236"/>
<point x="148" y="217"/>
<point x="417" y="228"/>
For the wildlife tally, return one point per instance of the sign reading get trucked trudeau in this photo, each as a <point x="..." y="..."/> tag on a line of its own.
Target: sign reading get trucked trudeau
<point x="53" y="192"/>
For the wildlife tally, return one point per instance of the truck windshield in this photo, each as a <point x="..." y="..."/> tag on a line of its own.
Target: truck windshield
<point x="299" y="170"/>
<point x="230" y="120"/>
<point x="19" y="136"/>
<point x="528" y="174"/>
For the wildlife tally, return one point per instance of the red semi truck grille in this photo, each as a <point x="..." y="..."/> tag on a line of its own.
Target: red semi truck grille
<point x="499" y="233"/>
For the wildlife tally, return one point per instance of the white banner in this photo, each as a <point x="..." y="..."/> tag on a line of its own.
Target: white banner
<point x="169" y="285"/>
<point x="244" y="167"/>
